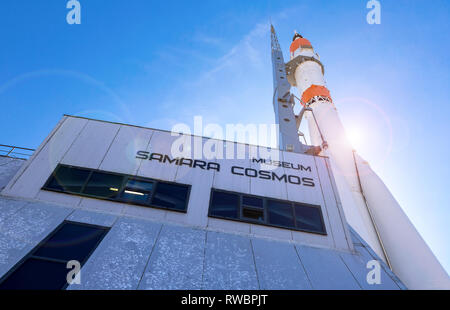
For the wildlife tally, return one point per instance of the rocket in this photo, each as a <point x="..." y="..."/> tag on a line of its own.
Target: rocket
<point x="369" y="207"/>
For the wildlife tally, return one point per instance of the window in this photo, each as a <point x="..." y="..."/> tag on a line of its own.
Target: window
<point x="137" y="191"/>
<point x="103" y="185"/>
<point x="68" y="180"/>
<point x="252" y="208"/>
<point x="280" y="213"/>
<point x="171" y="196"/>
<point x="119" y="187"/>
<point x="224" y="205"/>
<point x="308" y="218"/>
<point x="46" y="265"/>
<point x="266" y="211"/>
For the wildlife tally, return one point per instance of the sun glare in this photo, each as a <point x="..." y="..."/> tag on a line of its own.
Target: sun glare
<point x="355" y="137"/>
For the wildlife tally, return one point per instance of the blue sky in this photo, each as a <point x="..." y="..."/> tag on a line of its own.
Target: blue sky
<point x="158" y="63"/>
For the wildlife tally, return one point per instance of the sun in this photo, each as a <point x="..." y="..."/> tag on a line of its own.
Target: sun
<point x="355" y="137"/>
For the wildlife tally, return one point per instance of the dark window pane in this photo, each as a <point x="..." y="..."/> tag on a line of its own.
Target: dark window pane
<point x="37" y="274"/>
<point x="252" y="201"/>
<point x="253" y="214"/>
<point x="137" y="191"/>
<point x="68" y="179"/>
<point x="170" y="196"/>
<point x="224" y="205"/>
<point x="308" y="218"/>
<point x="103" y="185"/>
<point x="71" y="242"/>
<point x="280" y="213"/>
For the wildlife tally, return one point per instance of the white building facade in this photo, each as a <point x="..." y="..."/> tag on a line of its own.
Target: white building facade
<point x="166" y="222"/>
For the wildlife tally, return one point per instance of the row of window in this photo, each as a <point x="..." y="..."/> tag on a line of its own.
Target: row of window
<point x="119" y="187"/>
<point x="172" y="196"/>
<point x="46" y="266"/>
<point x="266" y="211"/>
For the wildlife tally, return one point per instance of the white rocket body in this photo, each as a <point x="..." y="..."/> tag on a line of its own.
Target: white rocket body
<point x="369" y="206"/>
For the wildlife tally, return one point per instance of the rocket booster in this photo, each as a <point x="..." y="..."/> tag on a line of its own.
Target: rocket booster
<point x="368" y="205"/>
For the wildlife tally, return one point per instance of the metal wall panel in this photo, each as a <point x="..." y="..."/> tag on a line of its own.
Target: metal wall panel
<point x="357" y="265"/>
<point x="224" y="225"/>
<point x="302" y="193"/>
<point x="176" y="261"/>
<point x="161" y="143"/>
<point x="36" y="171"/>
<point x="363" y="250"/>
<point x="202" y="180"/>
<point x="225" y="179"/>
<point x="23" y="230"/>
<point x="93" y="218"/>
<point x="308" y="194"/>
<point x="268" y="188"/>
<point x="334" y="219"/>
<point x="325" y="269"/>
<point x="121" y="156"/>
<point x="58" y="198"/>
<point x="8" y="207"/>
<point x="91" y="146"/>
<point x="278" y="266"/>
<point x="229" y="263"/>
<point x="102" y="205"/>
<point x="8" y="168"/>
<point x="120" y="259"/>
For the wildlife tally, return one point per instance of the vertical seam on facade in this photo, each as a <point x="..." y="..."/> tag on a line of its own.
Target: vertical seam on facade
<point x="374" y="255"/>
<point x="146" y="149"/>
<point x="325" y="204"/>
<point x="109" y="147"/>
<point x="150" y="256"/>
<point x="303" y="266"/>
<point x="338" y="202"/>
<point x="73" y="142"/>
<point x="348" y="268"/>
<point x="254" y="263"/>
<point x="204" y="261"/>
<point x="35" y="154"/>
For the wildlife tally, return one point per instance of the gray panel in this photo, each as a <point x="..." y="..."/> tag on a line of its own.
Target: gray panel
<point x="91" y="146"/>
<point x="357" y="265"/>
<point x="365" y="251"/>
<point x="325" y="269"/>
<point x="229" y="263"/>
<point x="330" y="209"/>
<point x="35" y="172"/>
<point x="8" y="168"/>
<point x="235" y="154"/>
<point x="177" y="260"/>
<point x="121" y="156"/>
<point x="8" y="207"/>
<point x="24" y="230"/>
<point x="268" y="188"/>
<point x="278" y="266"/>
<point x="94" y="218"/>
<point x="120" y="259"/>
<point x="201" y="180"/>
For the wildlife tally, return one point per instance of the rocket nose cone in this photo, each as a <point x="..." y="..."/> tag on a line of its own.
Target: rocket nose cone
<point x="296" y="35"/>
<point x="299" y="42"/>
